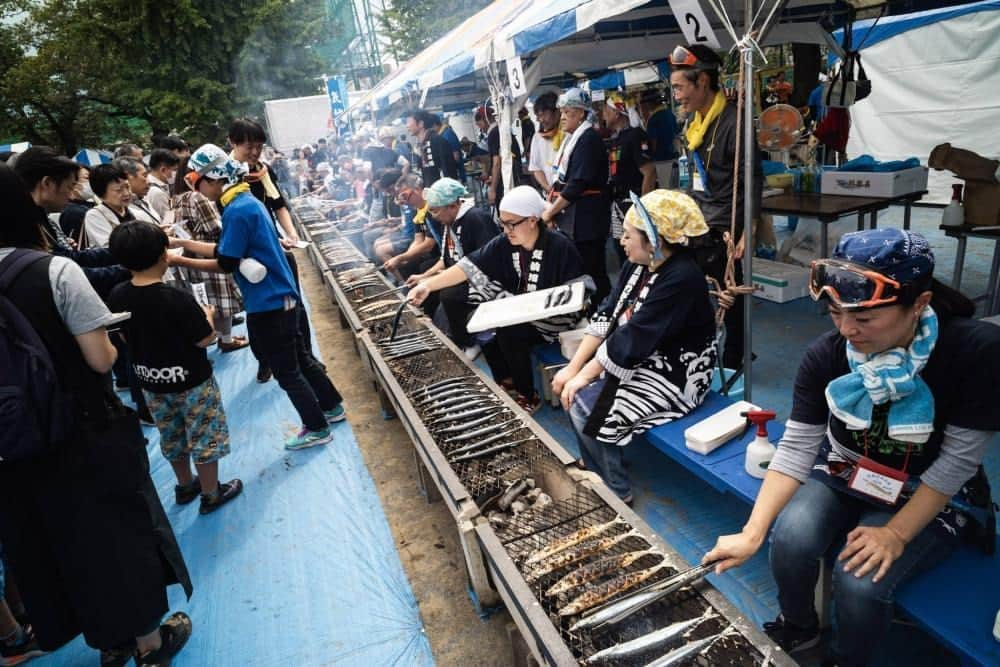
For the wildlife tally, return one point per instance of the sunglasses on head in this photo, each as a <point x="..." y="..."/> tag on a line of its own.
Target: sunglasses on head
<point x="851" y="286"/>
<point x="681" y="57"/>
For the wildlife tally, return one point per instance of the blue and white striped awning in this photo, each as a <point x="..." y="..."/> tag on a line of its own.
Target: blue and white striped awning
<point x="19" y="147"/>
<point x="89" y="157"/>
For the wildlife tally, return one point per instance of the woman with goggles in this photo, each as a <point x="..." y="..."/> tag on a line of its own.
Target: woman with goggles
<point x="880" y="463"/>
<point x="525" y="257"/>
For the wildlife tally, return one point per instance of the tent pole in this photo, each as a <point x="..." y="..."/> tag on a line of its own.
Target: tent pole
<point x="749" y="146"/>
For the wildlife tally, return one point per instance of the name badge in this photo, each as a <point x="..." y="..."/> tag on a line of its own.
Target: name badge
<point x="696" y="183"/>
<point x="877" y="481"/>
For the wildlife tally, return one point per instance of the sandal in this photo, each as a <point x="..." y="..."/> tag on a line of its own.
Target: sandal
<point x="529" y="405"/>
<point x="239" y="342"/>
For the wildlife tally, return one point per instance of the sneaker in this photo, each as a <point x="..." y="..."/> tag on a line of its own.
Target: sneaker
<point x="471" y="352"/>
<point x="226" y="492"/>
<point x="307" y="438"/>
<point x="338" y="414"/>
<point x="529" y="405"/>
<point x="790" y="637"/>
<point x="174" y="632"/>
<point x="26" y="649"/>
<point x="263" y="374"/>
<point x="186" y="493"/>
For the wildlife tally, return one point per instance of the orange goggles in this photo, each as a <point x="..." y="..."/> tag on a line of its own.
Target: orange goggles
<point x="852" y="286"/>
<point x="681" y="57"/>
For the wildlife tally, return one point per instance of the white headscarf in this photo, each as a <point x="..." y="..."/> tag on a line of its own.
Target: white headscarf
<point x="523" y="201"/>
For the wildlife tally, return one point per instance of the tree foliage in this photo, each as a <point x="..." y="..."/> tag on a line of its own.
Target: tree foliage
<point x="88" y="73"/>
<point x="409" y="26"/>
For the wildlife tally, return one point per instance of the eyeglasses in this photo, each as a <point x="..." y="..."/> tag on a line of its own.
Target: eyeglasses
<point x="852" y="286"/>
<point x="681" y="57"/>
<point x="512" y="225"/>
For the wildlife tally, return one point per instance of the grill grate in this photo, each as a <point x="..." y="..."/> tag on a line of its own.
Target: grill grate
<point x="533" y="530"/>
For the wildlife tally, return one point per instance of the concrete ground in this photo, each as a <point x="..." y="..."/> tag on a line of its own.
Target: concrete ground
<point x="425" y="533"/>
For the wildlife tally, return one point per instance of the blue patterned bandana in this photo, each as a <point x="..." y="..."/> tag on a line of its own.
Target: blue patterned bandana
<point x="904" y="256"/>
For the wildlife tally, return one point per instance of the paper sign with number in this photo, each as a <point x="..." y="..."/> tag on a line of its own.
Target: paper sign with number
<point x="515" y="77"/>
<point x="693" y="22"/>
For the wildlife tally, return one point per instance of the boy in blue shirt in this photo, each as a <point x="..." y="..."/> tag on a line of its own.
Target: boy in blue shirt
<point x="249" y="248"/>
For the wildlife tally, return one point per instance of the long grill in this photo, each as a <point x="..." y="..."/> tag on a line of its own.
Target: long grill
<point x="574" y="505"/>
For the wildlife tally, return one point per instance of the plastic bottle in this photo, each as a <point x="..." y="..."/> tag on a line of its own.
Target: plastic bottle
<point x="760" y="451"/>
<point x="954" y="212"/>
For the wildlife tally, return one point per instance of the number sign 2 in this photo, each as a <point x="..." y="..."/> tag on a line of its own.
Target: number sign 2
<point x="693" y="22"/>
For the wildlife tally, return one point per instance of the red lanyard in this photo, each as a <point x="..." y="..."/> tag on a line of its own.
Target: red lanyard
<point x="906" y="461"/>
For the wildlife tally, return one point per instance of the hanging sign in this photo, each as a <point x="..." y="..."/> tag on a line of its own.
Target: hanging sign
<point x="515" y="77"/>
<point x="693" y="22"/>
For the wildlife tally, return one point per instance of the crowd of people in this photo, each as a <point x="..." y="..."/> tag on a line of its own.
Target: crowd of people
<point x="116" y="278"/>
<point x="130" y="271"/>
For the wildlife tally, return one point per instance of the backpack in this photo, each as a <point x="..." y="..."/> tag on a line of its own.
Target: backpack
<point x="34" y="410"/>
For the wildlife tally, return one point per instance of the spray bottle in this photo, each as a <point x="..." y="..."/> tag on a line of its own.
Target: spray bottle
<point x="760" y="451"/>
<point x="954" y="214"/>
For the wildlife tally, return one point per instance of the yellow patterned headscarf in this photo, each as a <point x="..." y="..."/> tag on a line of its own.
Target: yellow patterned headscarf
<point x="675" y="215"/>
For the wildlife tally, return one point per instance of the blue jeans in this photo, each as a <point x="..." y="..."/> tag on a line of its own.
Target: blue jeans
<point x="815" y="523"/>
<point x="277" y="340"/>
<point x="608" y="461"/>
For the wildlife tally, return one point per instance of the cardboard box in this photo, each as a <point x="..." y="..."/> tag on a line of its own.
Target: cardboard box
<point x="874" y="183"/>
<point x="779" y="282"/>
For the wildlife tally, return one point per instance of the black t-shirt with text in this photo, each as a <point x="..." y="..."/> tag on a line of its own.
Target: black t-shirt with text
<point x="162" y="335"/>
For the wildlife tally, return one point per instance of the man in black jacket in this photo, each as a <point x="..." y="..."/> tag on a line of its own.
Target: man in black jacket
<point x="436" y="158"/>
<point x="710" y="139"/>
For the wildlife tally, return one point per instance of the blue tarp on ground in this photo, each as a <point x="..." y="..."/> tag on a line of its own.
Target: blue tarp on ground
<point x="300" y="570"/>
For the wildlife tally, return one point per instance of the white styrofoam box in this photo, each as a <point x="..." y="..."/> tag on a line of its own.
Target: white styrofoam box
<point x="874" y="183"/>
<point x="714" y="431"/>
<point x="779" y="282"/>
<point x="522" y="308"/>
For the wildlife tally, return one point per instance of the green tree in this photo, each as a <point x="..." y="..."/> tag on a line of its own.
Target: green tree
<point x="96" y="72"/>
<point x="409" y="26"/>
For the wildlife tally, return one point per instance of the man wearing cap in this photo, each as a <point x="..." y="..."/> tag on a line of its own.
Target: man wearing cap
<point x="581" y="207"/>
<point x="630" y="168"/>
<point x="661" y="130"/>
<point x="710" y="138"/>
<point x="525" y="258"/>
<point x="464" y="229"/>
<point x="546" y="142"/>
<point x="250" y="250"/>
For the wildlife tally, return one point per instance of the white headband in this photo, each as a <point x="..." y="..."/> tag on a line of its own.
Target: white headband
<point x="524" y="201"/>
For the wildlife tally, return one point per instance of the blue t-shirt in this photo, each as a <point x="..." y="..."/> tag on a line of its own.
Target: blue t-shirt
<point x="816" y="104"/>
<point x="409" y="229"/>
<point x="247" y="231"/>
<point x="662" y="128"/>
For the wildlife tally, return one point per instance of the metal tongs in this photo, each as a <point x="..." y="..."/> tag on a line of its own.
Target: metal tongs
<point x="387" y="292"/>
<point x="618" y="610"/>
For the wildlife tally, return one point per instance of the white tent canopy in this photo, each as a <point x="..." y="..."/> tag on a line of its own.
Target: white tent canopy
<point x="922" y="95"/>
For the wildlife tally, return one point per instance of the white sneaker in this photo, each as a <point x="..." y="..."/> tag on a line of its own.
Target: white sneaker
<point x="472" y="352"/>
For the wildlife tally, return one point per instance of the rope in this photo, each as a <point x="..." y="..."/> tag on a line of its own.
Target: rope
<point x="732" y="289"/>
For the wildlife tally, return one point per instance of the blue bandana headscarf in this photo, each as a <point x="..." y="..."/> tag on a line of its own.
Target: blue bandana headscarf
<point x="904" y="256"/>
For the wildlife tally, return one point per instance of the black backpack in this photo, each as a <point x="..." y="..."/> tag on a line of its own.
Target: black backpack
<point x="34" y="410"/>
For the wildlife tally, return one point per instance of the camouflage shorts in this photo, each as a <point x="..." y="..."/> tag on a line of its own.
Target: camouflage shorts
<point x="191" y="423"/>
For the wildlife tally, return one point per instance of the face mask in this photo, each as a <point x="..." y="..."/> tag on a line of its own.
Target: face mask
<point x="85" y="192"/>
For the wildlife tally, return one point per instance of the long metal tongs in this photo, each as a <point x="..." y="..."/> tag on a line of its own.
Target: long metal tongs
<point x="387" y="292"/>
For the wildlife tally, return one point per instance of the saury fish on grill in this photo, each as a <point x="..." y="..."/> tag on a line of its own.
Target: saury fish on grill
<point x="649" y="641"/>
<point x="509" y="431"/>
<point x="457" y="403"/>
<point x="576" y="553"/>
<point x="604" y="592"/>
<point x="472" y="435"/>
<point x="372" y="307"/>
<point x="469" y="424"/>
<point x="489" y="450"/>
<point x="683" y="654"/>
<point x="441" y="384"/>
<point x="596" y="570"/>
<point x="452" y="392"/>
<point x="572" y="539"/>
<point x="459" y="416"/>
<point x="619" y="610"/>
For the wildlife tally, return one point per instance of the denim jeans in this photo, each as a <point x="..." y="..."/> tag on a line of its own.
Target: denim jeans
<point x="815" y="524"/>
<point x="606" y="460"/>
<point x="276" y="337"/>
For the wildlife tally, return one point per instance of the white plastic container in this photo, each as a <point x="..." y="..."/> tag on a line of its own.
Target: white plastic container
<point x="712" y="432"/>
